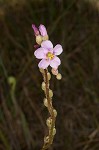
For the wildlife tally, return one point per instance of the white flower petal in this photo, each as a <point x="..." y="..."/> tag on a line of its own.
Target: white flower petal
<point x="57" y="49"/>
<point x="55" y="62"/>
<point x="44" y="63"/>
<point x="40" y="53"/>
<point x="47" y="44"/>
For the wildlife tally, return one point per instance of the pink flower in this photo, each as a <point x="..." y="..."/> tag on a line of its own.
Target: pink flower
<point x="40" y="31"/>
<point x="48" y="54"/>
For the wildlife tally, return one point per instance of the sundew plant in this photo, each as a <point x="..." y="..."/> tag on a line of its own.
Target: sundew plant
<point x="48" y="55"/>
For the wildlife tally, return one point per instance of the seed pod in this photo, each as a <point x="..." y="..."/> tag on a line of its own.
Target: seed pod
<point x="50" y="93"/>
<point x="39" y="39"/>
<point x="54" y="131"/>
<point x="46" y="139"/>
<point x="59" y="76"/>
<point x="45" y="102"/>
<point x="49" y="122"/>
<point x="55" y="112"/>
<point x="49" y="76"/>
<point x="43" y="86"/>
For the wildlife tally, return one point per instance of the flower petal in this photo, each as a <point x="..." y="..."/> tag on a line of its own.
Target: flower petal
<point x="36" y="31"/>
<point x="47" y="44"/>
<point x="58" y="49"/>
<point x="40" y="53"/>
<point x="44" y="63"/>
<point x="43" y="30"/>
<point x="55" y="62"/>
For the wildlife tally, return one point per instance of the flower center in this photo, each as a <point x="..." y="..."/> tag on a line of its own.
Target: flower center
<point x="50" y="55"/>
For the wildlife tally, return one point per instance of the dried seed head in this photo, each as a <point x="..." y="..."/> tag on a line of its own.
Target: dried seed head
<point x="49" y="76"/>
<point x="49" y="122"/>
<point x="55" y="112"/>
<point x="59" y="76"/>
<point x="50" y="93"/>
<point x="43" y="86"/>
<point x="54" y="131"/>
<point x="45" y="102"/>
<point x="46" y="139"/>
<point x="54" y="71"/>
<point x="39" y="39"/>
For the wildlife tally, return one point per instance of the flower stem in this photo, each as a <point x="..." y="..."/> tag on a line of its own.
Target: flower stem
<point x="51" y="112"/>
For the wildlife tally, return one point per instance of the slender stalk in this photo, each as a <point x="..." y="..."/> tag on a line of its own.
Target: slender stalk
<point x="51" y="112"/>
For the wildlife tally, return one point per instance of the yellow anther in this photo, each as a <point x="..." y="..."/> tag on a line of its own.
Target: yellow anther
<point x="50" y="55"/>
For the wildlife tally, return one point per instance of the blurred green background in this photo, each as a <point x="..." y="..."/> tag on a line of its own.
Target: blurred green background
<point x="75" y="25"/>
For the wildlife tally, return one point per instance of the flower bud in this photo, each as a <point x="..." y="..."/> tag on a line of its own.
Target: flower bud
<point x="54" y="71"/>
<point x="49" y="76"/>
<point x="59" y="76"/>
<point x="12" y="82"/>
<point x="39" y="39"/>
<point x="54" y="131"/>
<point x="46" y="139"/>
<point x="45" y="37"/>
<point x="36" y="31"/>
<point x="55" y="112"/>
<point x="50" y="93"/>
<point x="45" y="102"/>
<point x="43" y="86"/>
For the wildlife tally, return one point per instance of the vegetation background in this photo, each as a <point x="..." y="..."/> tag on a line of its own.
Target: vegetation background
<point x="75" y="25"/>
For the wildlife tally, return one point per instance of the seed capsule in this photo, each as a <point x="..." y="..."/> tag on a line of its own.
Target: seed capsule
<point x="59" y="76"/>
<point x="45" y="102"/>
<point x="46" y="139"/>
<point x="43" y="86"/>
<point x="49" y="122"/>
<point x="49" y="76"/>
<point x="50" y="93"/>
<point x="55" y="112"/>
<point x="54" y="131"/>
